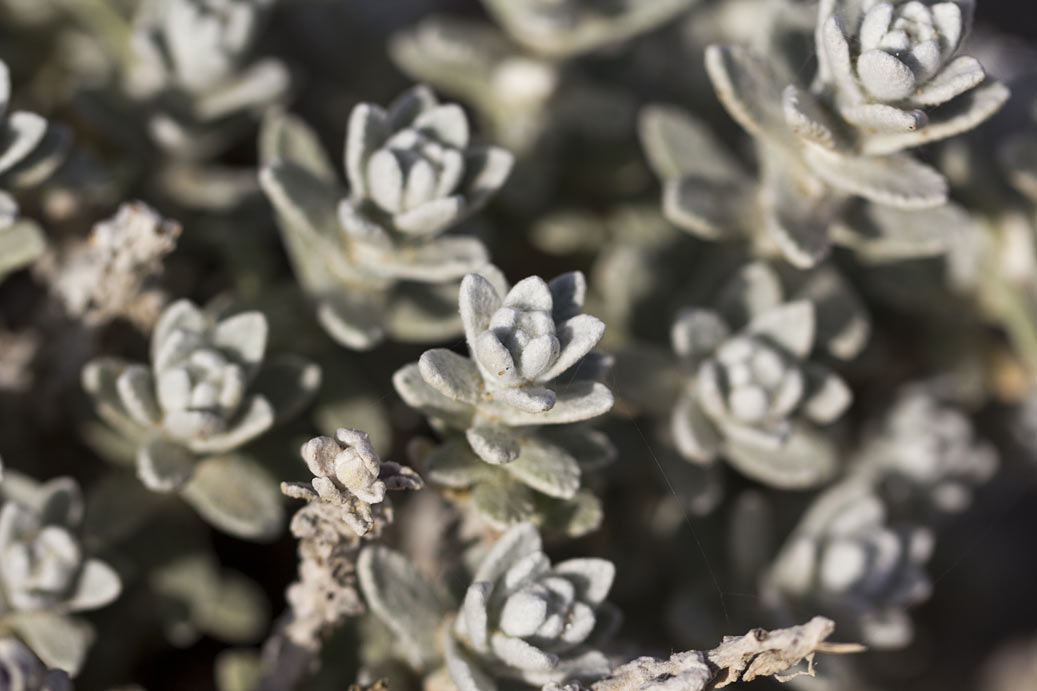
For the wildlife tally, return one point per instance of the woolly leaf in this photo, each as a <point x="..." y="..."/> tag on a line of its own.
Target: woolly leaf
<point x="164" y="465"/>
<point x="59" y="641"/>
<point x="493" y="444"/>
<point x="454" y="464"/>
<point x="503" y="503"/>
<point x="803" y="460"/>
<point x="894" y="180"/>
<point x="546" y="468"/>
<point x="98" y="584"/>
<point x="237" y="496"/>
<point x="399" y="595"/>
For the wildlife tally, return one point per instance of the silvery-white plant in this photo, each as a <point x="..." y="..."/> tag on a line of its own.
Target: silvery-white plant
<point x="376" y="259"/>
<point x="349" y="474"/>
<point x="207" y="392"/>
<point x="45" y="574"/>
<point x="562" y="28"/>
<point x="530" y="368"/>
<point x="753" y="394"/>
<point x="846" y="559"/>
<point x="526" y="620"/>
<point x="30" y="150"/>
<point x="926" y="454"/>
<point x="781" y="211"/>
<point x="819" y="147"/>
<point x="191" y="61"/>
<point x="521" y="619"/>
<point x="21" y="670"/>
<point x="346" y="505"/>
<point x="887" y="67"/>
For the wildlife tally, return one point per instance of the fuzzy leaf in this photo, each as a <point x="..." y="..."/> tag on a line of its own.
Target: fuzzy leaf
<point x="576" y="336"/>
<point x="805" y="459"/>
<point x="882" y="118"/>
<point x="42" y="161"/>
<point x="423" y="313"/>
<point x="885" y="76"/>
<point x="710" y="209"/>
<point x="678" y="145"/>
<point x="60" y="642"/>
<point x="518" y="542"/>
<point x="546" y="468"/>
<point x="221" y="603"/>
<point x="353" y="319"/>
<point x="432" y="217"/>
<point x="748" y="87"/>
<point x="531" y="400"/>
<point x="256" y="417"/>
<point x="416" y="393"/>
<point x="478" y="300"/>
<point x="843" y="325"/>
<point x="367" y="130"/>
<point x="568" y="292"/>
<point x="255" y="86"/>
<point x="98" y="379"/>
<point x="591" y="448"/>
<point x="474" y="617"/>
<point x="486" y="169"/>
<point x="592" y="577"/>
<point x="882" y="233"/>
<point x="580" y="400"/>
<point x="306" y="203"/>
<point x="895" y="180"/>
<point x="572" y="517"/>
<point x="21" y="132"/>
<point x="20" y="243"/>
<point x="958" y="76"/>
<point x="98" y="584"/>
<point x="799" y="222"/>
<point x="237" y="496"/>
<point x="243" y="336"/>
<point x="493" y="444"/>
<point x="592" y="29"/>
<point x="518" y="654"/>
<point x="693" y="434"/>
<point x="806" y="118"/>
<point x="287" y="137"/>
<point x="833" y="54"/>
<point x="959" y="115"/>
<point x="454" y="464"/>
<point x="754" y="289"/>
<point x="405" y="601"/>
<point x="136" y="389"/>
<point x="181" y="315"/>
<point x="463" y="669"/>
<point x="164" y="465"/>
<point x="829" y="396"/>
<point x="502" y="503"/>
<point x="435" y="261"/>
<point x="452" y="375"/>
<point x="406" y="107"/>
<point x="791" y="326"/>
<point x="696" y="333"/>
